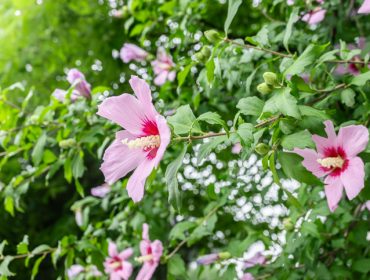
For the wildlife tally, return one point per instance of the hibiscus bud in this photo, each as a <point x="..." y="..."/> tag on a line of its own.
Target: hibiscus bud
<point x="208" y="259"/>
<point x="67" y="143"/>
<point x="264" y="88"/>
<point x="224" y="255"/>
<point x="288" y="225"/>
<point x="270" y="78"/>
<point x="262" y="149"/>
<point x="213" y="36"/>
<point x="203" y="55"/>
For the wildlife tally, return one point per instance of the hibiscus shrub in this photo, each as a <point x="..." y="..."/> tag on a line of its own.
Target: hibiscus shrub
<point x="184" y="139"/>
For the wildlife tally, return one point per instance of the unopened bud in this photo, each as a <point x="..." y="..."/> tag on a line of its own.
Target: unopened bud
<point x="262" y="149"/>
<point x="203" y="55"/>
<point x="67" y="143"/>
<point x="264" y="88"/>
<point x="270" y="78"/>
<point x="224" y="255"/>
<point x="212" y="36"/>
<point x="288" y="225"/>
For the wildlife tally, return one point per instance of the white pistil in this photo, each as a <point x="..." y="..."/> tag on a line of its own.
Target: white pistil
<point x="115" y="264"/>
<point x="144" y="258"/>
<point x="331" y="162"/>
<point x="147" y="142"/>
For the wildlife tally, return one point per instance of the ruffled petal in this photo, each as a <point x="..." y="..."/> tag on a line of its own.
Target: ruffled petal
<point x="112" y="249"/>
<point x="120" y="159"/>
<point x="143" y="93"/>
<point x="126" y="271"/>
<point x="353" y="139"/>
<point x="125" y="254"/>
<point x="125" y="110"/>
<point x="330" y="132"/>
<point x="353" y="177"/>
<point x="146" y="272"/>
<point x="165" y="135"/>
<point x="157" y="250"/>
<point x="333" y="191"/>
<point x="310" y="161"/>
<point x="136" y="183"/>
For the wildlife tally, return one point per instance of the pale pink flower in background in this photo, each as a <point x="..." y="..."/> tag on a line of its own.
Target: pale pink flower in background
<point x="257" y="259"/>
<point x="142" y="145"/>
<point x="77" y="79"/>
<point x="315" y="16"/>
<point x="131" y="52"/>
<point x="352" y="68"/>
<point x="151" y="253"/>
<point x="365" y="7"/>
<point x="366" y="205"/>
<point x="75" y="270"/>
<point x="93" y="270"/>
<point x="336" y="158"/>
<point x="208" y="259"/>
<point x="237" y="148"/>
<point x="163" y="68"/>
<point x="61" y="95"/>
<point x="247" y="276"/>
<point x="116" y="265"/>
<point x="101" y="191"/>
<point x="79" y="217"/>
<point x="290" y="2"/>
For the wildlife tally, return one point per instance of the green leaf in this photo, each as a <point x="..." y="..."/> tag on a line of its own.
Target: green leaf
<point x="174" y="194"/>
<point x="360" y="80"/>
<point x="2" y="246"/>
<point x="4" y="266"/>
<point x="347" y="97"/>
<point x="250" y="106"/>
<point x="245" y="133"/>
<point x="178" y="231"/>
<point x="36" y="266"/>
<point x="307" y="58"/>
<point x="206" y="148"/>
<point x="22" y="248"/>
<point x="282" y="102"/>
<point x="289" y="28"/>
<point x="176" y="267"/>
<point x="362" y="265"/>
<point x="68" y="169"/>
<point x="310" y="228"/>
<point x="78" y="167"/>
<point x="327" y="56"/>
<point x="39" y="249"/>
<point x="9" y="205"/>
<point x="210" y="68"/>
<point x="184" y="121"/>
<point x="301" y="139"/>
<point x="205" y="229"/>
<point x="213" y="118"/>
<point x="38" y="150"/>
<point x="231" y="12"/>
<point x="183" y="74"/>
<point x="293" y="168"/>
<point x="312" y="112"/>
<point x="237" y="248"/>
<point x="262" y="38"/>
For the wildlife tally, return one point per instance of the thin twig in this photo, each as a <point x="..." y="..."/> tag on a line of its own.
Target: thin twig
<point x="30" y="254"/>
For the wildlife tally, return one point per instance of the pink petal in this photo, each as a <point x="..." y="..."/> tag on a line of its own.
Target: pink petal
<point x="125" y="110"/>
<point x="59" y="94"/>
<point x="125" y="254"/>
<point x="146" y="272"/>
<point x="367" y="204"/>
<point x="112" y="249"/>
<point x="322" y="143"/>
<point x="143" y="93"/>
<point x="136" y="183"/>
<point x="145" y="247"/>
<point x="317" y="16"/>
<point x="145" y="234"/>
<point x="126" y="271"/>
<point x="310" y="161"/>
<point x="171" y="76"/>
<point x="115" y="276"/>
<point x="333" y="191"/>
<point x="365" y="7"/>
<point x="75" y="270"/>
<point x="157" y="250"/>
<point x="74" y="75"/>
<point x="161" y="78"/>
<point x="119" y="159"/>
<point x="353" y="177"/>
<point x="247" y="276"/>
<point x="101" y="191"/>
<point x="353" y="139"/>
<point x="165" y="136"/>
<point x="330" y="132"/>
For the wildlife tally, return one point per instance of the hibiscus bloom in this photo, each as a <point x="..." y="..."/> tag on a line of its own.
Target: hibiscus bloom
<point x="315" y="16"/>
<point x="237" y="148"/>
<point x="151" y="253"/>
<point x="116" y="265"/>
<point x="76" y="269"/>
<point x="142" y="145"/>
<point x="336" y="158"/>
<point x="131" y="52"/>
<point x="365" y="7"/>
<point x="163" y="68"/>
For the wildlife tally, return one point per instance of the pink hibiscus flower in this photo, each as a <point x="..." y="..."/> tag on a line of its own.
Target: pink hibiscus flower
<point x="141" y="145"/>
<point x="365" y="7"/>
<point x="208" y="259"/>
<point x="257" y="259"/>
<point x="237" y="148"/>
<point x="131" y="52"/>
<point x="163" y="68"/>
<point x="352" y="68"/>
<point x="315" y="16"/>
<point x="336" y="158"/>
<point x="247" y="276"/>
<point x="116" y="265"/>
<point x="101" y="191"/>
<point x="151" y="253"/>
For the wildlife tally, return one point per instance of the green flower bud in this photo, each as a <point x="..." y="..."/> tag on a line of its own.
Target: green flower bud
<point x="224" y="255"/>
<point x="264" y="88"/>
<point x="200" y="57"/>
<point x="288" y="225"/>
<point x="213" y="36"/>
<point x="262" y="149"/>
<point x="270" y="78"/>
<point x="206" y="51"/>
<point x="67" y="143"/>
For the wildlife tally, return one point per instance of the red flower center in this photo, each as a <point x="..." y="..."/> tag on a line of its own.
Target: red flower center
<point x="150" y="128"/>
<point x="334" y="161"/>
